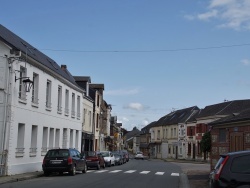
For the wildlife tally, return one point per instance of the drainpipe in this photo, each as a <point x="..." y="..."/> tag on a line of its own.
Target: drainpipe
<point x="5" y="122"/>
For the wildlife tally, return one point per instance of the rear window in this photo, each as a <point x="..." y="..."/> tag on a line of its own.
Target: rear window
<point x="217" y="166"/>
<point x="58" y="153"/>
<point x="241" y="165"/>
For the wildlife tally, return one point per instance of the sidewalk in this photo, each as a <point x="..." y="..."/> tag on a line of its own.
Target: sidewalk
<point x="20" y="177"/>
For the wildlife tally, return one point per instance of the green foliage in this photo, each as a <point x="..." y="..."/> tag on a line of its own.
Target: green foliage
<point x="206" y="142"/>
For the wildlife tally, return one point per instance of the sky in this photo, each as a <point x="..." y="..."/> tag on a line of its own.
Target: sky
<point x="153" y="56"/>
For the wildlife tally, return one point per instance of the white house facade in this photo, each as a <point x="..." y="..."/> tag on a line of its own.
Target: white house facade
<point x="49" y="116"/>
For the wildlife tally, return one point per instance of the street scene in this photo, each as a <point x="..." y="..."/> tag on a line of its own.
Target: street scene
<point x="135" y="173"/>
<point x="112" y="93"/>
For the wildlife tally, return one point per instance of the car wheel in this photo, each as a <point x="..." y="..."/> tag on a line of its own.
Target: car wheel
<point x="84" y="169"/>
<point x="73" y="171"/>
<point x="60" y="173"/>
<point x="98" y="166"/>
<point x="110" y="164"/>
<point x="103" y="165"/>
<point x="46" y="173"/>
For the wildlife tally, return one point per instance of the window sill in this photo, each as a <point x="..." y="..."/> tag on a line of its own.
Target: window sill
<point x="21" y="154"/>
<point x="23" y="101"/>
<point x="48" y="108"/>
<point x="34" y="105"/>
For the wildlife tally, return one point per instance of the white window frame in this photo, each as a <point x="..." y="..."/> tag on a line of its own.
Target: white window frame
<point x="59" y="100"/>
<point x="66" y="110"/>
<point x="48" y="94"/>
<point x="35" y="90"/>
<point x="73" y="106"/>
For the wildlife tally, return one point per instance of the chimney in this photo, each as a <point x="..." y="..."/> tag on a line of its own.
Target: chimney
<point x="64" y="67"/>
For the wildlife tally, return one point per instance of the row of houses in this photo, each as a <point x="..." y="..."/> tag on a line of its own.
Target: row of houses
<point x="43" y="106"/>
<point x="179" y="134"/>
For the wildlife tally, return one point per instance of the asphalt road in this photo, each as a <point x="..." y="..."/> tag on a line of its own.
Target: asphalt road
<point x="134" y="174"/>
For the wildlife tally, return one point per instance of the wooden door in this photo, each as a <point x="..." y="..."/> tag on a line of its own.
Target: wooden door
<point x="236" y="141"/>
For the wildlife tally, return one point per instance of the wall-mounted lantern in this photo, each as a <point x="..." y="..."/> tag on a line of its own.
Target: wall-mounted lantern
<point x="26" y="82"/>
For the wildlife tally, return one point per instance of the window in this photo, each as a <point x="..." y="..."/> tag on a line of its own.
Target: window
<point x="241" y="165"/>
<point x="222" y="135"/>
<point x="174" y="132"/>
<point x="164" y="133"/>
<point x="48" y="94"/>
<point x="33" y="142"/>
<point x="98" y="102"/>
<point x="22" y="90"/>
<point x="78" y="107"/>
<point x="45" y="140"/>
<point x="51" y="138"/>
<point x="20" y="140"/>
<point x="71" y="139"/>
<point x="73" y="113"/>
<point x="57" y="138"/>
<point x="97" y="120"/>
<point x="76" y="139"/>
<point x="59" y="100"/>
<point x="84" y="116"/>
<point x="90" y="118"/>
<point x="35" y="89"/>
<point x="66" y="102"/>
<point x="158" y="134"/>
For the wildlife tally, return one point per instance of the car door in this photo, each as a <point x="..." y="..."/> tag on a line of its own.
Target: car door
<point x="81" y="160"/>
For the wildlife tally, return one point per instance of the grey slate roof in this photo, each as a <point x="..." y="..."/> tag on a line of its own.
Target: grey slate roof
<point x="179" y="116"/>
<point x="132" y="133"/>
<point x="225" y="108"/>
<point x="146" y="129"/>
<point x="243" y="115"/>
<point x="18" y="43"/>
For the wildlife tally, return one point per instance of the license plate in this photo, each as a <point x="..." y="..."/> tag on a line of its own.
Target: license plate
<point x="56" y="162"/>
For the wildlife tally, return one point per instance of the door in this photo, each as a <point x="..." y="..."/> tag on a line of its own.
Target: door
<point x="236" y="141"/>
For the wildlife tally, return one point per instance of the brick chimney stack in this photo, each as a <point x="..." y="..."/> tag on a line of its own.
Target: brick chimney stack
<point x="64" y="67"/>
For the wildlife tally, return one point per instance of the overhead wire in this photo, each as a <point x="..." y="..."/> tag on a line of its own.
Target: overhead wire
<point x="148" y="51"/>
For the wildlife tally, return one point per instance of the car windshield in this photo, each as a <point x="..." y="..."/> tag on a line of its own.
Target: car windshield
<point x="90" y="154"/>
<point x="105" y="154"/>
<point x="58" y="153"/>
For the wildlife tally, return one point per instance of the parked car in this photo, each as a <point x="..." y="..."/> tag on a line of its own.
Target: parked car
<point x="139" y="155"/>
<point x="123" y="155"/>
<point x="231" y="170"/>
<point x="64" y="160"/>
<point x="108" y="158"/>
<point x="118" y="159"/>
<point x="94" y="160"/>
<point x="126" y="154"/>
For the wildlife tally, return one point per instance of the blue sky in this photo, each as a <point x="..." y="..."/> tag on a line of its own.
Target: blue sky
<point x="152" y="56"/>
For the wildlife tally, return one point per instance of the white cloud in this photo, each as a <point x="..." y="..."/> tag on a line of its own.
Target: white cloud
<point x="207" y="15"/>
<point x="245" y="62"/>
<point x="122" y="92"/>
<point x="234" y="14"/>
<point x="145" y="122"/>
<point x="135" y="106"/>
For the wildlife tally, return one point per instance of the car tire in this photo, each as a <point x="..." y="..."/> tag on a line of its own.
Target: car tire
<point x="46" y="173"/>
<point x="98" y="166"/>
<point x="103" y="165"/>
<point x="73" y="171"/>
<point x="109" y="164"/>
<point x="85" y="169"/>
<point x="60" y="173"/>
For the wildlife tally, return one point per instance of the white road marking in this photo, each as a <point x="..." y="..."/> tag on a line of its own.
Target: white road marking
<point x="144" y="172"/>
<point x="130" y="171"/>
<point x="115" y="171"/>
<point x="159" y="173"/>
<point x="100" y="171"/>
<point x="175" y="174"/>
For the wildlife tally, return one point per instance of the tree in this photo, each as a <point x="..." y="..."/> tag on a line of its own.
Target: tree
<point x="206" y="144"/>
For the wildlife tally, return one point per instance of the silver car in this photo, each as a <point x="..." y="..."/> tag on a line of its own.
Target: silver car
<point x="108" y="158"/>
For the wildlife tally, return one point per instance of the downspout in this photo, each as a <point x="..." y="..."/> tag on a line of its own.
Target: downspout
<point x="5" y="122"/>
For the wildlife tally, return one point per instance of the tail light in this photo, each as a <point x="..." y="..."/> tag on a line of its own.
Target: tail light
<point x="70" y="161"/>
<point x="218" y="173"/>
<point x="44" y="162"/>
